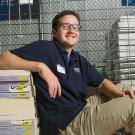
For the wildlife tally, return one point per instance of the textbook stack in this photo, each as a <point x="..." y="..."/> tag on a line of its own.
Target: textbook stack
<point x="17" y="105"/>
<point x="121" y="51"/>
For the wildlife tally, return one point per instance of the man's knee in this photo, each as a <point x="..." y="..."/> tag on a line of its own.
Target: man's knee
<point x="123" y="86"/>
<point x="95" y="97"/>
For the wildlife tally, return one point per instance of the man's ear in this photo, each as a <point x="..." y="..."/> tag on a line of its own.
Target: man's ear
<point x="54" y="32"/>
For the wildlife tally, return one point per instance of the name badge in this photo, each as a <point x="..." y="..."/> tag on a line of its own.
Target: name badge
<point x="77" y="70"/>
<point x="60" y="69"/>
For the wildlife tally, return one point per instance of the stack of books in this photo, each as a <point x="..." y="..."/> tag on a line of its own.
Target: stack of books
<point x="121" y="51"/>
<point x="17" y="103"/>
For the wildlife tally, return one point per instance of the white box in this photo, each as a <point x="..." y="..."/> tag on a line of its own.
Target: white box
<point x="119" y="65"/>
<point x="120" y="49"/>
<point x="122" y="55"/>
<point x="128" y="82"/>
<point x="124" y="71"/>
<point x="126" y="24"/>
<point x="127" y="18"/>
<point x="126" y="30"/>
<point x="127" y="36"/>
<point x="124" y="77"/>
<point x="126" y="42"/>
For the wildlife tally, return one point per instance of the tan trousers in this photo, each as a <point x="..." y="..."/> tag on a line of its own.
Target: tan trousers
<point x="103" y="118"/>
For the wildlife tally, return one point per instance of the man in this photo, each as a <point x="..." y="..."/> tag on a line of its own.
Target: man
<point x="61" y="77"/>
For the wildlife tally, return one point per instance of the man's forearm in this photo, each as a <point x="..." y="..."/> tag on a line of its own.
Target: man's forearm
<point x="110" y="89"/>
<point x="11" y="61"/>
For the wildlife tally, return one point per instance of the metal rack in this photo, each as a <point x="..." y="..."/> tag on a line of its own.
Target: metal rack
<point x="97" y="19"/>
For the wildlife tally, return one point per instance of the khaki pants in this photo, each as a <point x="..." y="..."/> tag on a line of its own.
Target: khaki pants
<point x="103" y="118"/>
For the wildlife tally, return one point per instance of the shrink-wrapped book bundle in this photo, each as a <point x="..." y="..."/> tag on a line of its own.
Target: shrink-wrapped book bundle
<point x="17" y="103"/>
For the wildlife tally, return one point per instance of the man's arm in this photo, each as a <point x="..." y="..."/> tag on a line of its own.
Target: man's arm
<point x="11" y="61"/>
<point x="112" y="90"/>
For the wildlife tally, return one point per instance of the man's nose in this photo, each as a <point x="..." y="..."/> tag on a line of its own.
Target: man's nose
<point x="70" y="27"/>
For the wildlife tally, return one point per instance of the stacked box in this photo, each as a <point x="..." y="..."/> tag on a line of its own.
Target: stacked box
<point x="121" y="51"/>
<point x="17" y="103"/>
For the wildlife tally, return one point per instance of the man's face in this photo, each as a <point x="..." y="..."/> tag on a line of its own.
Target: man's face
<point x="67" y="33"/>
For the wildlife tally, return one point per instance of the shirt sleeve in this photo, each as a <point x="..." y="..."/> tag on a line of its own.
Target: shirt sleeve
<point x="35" y="51"/>
<point x="94" y="78"/>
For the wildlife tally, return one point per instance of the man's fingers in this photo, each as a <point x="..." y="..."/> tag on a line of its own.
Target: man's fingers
<point x="130" y="93"/>
<point x="54" y="88"/>
<point x="49" y="77"/>
<point x="59" y="89"/>
<point x="121" y="95"/>
<point x="50" y="89"/>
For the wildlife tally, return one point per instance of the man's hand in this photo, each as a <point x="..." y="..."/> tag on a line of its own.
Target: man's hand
<point x="113" y="91"/>
<point x="52" y="81"/>
<point x="11" y="61"/>
<point x="131" y="93"/>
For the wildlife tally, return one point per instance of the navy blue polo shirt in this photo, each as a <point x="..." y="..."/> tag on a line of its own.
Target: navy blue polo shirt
<point x="74" y="75"/>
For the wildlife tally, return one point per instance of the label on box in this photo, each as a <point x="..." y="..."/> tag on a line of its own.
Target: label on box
<point x="19" y="89"/>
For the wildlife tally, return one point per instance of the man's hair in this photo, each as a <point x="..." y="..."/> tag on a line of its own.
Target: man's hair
<point x="55" y="21"/>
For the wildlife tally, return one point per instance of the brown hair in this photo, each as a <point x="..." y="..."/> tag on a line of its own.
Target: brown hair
<point x="55" y="21"/>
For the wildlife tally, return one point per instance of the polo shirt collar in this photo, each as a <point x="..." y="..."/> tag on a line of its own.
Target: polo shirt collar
<point x="73" y="55"/>
<point x="60" y="48"/>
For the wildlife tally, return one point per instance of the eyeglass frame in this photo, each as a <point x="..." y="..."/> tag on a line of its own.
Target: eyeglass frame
<point x="67" y="26"/>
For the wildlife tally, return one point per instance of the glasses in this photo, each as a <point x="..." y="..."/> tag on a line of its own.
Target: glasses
<point x="67" y="26"/>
